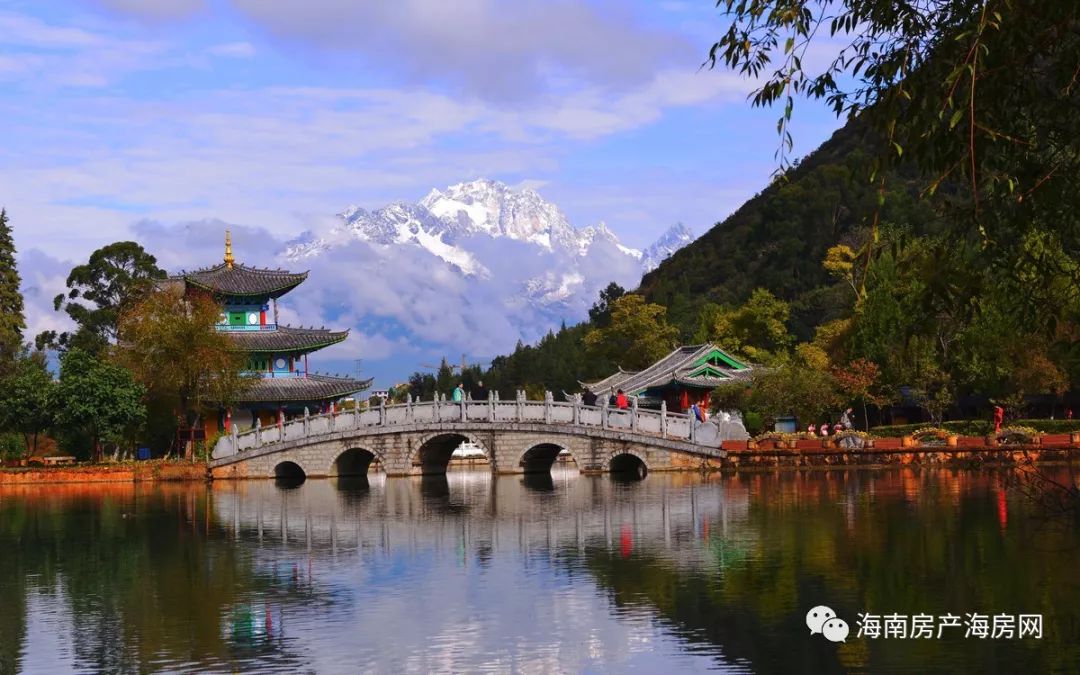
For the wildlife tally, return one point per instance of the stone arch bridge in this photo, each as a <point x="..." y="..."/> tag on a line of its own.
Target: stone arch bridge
<point x="516" y="436"/>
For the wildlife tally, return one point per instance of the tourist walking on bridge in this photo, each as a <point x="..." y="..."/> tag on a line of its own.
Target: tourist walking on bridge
<point x="999" y="417"/>
<point x="459" y="393"/>
<point x="845" y="420"/>
<point x="481" y="392"/>
<point x="621" y="402"/>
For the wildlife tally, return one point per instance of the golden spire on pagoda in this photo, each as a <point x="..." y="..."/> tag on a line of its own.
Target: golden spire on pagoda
<point x="229" y="260"/>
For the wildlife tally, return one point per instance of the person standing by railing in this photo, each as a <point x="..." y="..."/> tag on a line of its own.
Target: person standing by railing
<point x="588" y="398"/>
<point x="459" y="393"/>
<point x="621" y="402"/>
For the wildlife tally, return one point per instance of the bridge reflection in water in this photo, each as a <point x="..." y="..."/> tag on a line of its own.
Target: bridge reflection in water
<point x="552" y="510"/>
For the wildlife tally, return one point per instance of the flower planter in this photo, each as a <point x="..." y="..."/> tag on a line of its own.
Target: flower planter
<point x="950" y="440"/>
<point x="1074" y="438"/>
<point x="991" y="441"/>
<point x="751" y="444"/>
<point x="828" y="444"/>
<point x="907" y="442"/>
<point x="868" y="443"/>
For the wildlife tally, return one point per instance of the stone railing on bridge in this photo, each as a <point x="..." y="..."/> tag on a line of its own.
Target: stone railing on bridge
<point x="573" y="414"/>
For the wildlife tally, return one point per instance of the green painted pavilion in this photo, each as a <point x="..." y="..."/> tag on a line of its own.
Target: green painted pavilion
<point x="682" y="378"/>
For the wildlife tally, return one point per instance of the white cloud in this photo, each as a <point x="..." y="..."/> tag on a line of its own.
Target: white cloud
<point x="239" y="50"/>
<point x="154" y="10"/>
<point x="43" y="278"/>
<point x="20" y="30"/>
<point x="497" y="50"/>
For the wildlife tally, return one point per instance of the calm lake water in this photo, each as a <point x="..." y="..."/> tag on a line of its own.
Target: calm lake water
<point x="676" y="573"/>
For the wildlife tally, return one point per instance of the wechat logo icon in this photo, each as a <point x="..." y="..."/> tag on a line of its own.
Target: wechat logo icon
<point x="823" y="620"/>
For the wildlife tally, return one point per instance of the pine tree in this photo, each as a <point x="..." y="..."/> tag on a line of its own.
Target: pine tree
<point x="12" y="321"/>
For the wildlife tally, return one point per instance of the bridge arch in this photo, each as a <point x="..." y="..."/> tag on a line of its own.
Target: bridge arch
<point x="540" y="457"/>
<point x="353" y="461"/>
<point x="289" y="470"/>
<point x="432" y="453"/>
<point x="628" y="463"/>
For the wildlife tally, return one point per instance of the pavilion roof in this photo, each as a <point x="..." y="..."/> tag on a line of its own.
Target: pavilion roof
<point x="286" y="339"/>
<point x="300" y="389"/>
<point x="243" y="281"/>
<point x="703" y="366"/>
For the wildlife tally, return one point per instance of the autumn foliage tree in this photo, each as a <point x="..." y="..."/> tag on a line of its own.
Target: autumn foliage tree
<point x="638" y="333"/>
<point x="169" y="342"/>
<point x="858" y="380"/>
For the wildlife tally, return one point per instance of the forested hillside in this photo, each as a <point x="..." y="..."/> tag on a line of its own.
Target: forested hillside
<point x="778" y="239"/>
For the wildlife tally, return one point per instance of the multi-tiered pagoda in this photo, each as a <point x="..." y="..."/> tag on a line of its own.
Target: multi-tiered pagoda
<point x="277" y="354"/>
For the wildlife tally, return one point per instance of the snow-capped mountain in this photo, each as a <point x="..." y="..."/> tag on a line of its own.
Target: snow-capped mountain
<point x="481" y="207"/>
<point x="478" y="254"/>
<point x="677" y="236"/>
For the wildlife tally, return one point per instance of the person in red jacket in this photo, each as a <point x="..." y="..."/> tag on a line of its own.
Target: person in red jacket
<point x="621" y="401"/>
<point x="999" y="417"/>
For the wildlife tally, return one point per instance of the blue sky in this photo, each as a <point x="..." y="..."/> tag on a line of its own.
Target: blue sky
<point x="121" y="114"/>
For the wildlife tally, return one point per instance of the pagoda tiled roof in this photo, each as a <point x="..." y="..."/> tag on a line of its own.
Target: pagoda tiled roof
<point x="300" y="389"/>
<point x="243" y="281"/>
<point x="286" y="339"/>
<point x="683" y="367"/>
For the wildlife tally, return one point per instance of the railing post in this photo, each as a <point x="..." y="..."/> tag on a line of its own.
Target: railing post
<point x="491" y="405"/>
<point x="577" y="411"/>
<point x="408" y="408"/>
<point x="548" y="399"/>
<point x="663" y="419"/>
<point x="235" y="438"/>
<point x="258" y="433"/>
<point x="435" y="402"/>
<point x="604" y="414"/>
<point x="633" y="415"/>
<point x="519" y="405"/>
<point x="307" y="422"/>
<point x="356" y="411"/>
<point x="333" y="417"/>
<point x="382" y="412"/>
<point x="693" y="428"/>
<point x="462" y="403"/>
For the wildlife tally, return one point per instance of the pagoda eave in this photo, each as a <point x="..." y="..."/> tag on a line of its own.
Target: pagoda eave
<point x="285" y="339"/>
<point x="313" y="388"/>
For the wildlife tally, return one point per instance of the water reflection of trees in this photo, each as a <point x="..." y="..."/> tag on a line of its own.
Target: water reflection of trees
<point x="906" y="542"/>
<point x="141" y="580"/>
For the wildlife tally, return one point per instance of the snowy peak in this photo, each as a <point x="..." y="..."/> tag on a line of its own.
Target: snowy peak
<point x="444" y="222"/>
<point x="676" y="237"/>
<point x="492" y="208"/>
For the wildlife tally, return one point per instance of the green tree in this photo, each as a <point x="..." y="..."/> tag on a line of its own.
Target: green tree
<point x="12" y="321"/>
<point x="637" y="336"/>
<point x="600" y="312"/>
<point x="27" y="399"/>
<point x="169" y="342"/>
<point x="100" y="290"/>
<point x="98" y="400"/>
<point x="795" y="387"/>
<point x="980" y="96"/>
<point x="757" y="330"/>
